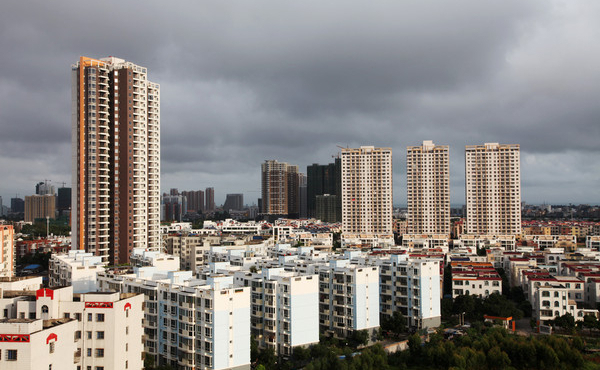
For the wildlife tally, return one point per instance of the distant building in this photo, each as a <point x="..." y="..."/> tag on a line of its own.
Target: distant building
<point x="173" y="207"/>
<point x="77" y="269"/>
<point x="210" y="200"/>
<point x="280" y="189"/>
<point x="234" y="202"/>
<point x="302" y="187"/>
<point x="63" y="201"/>
<point x="367" y="191"/>
<point x="40" y="206"/>
<point x="195" y="200"/>
<point x="43" y="188"/>
<point x="428" y="186"/>
<point x="493" y="189"/>
<point x="17" y="205"/>
<point x="323" y="179"/>
<point x="7" y="250"/>
<point x="327" y="208"/>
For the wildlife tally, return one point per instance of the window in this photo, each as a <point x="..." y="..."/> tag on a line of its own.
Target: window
<point x="99" y="352"/>
<point x="89" y="335"/>
<point x="100" y="317"/>
<point x="89" y="317"/>
<point x="89" y="352"/>
<point x="51" y="348"/>
<point x="78" y="334"/>
<point x="127" y="330"/>
<point x="99" y="335"/>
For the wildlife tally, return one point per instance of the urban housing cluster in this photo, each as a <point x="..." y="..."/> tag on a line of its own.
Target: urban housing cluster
<point x="327" y="256"/>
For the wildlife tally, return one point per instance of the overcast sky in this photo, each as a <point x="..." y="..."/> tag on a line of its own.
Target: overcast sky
<point x="245" y="81"/>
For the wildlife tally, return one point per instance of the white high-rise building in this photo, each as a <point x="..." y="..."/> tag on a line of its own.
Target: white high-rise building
<point x="428" y="186"/>
<point x="115" y="114"/>
<point x="367" y="191"/>
<point x="493" y="189"/>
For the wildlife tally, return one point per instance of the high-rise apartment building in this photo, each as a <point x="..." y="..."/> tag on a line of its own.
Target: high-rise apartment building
<point x="7" y="251"/>
<point x="428" y="188"/>
<point x="195" y="200"/>
<point x="210" y="199"/>
<point x="321" y="180"/>
<point x="234" y="202"/>
<point x="17" y="205"/>
<point x="367" y="190"/>
<point x="40" y="206"/>
<point x="63" y="200"/>
<point x="493" y="189"/>
<point x="280" y="189"/>
<point x="116" y="158"/>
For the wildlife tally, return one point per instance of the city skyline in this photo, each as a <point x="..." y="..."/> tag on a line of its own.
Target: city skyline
<point x="268" y="80"/>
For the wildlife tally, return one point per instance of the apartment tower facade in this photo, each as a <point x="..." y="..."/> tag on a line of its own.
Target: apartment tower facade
<point x="428" y="189"/>
<point x="280" y="189"/>
<point x="115" y="114"/>
<point x="493" y="189"/>
<point x="367" y="190"/>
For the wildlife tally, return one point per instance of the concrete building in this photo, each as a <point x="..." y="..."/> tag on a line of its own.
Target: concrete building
<point x="63" y="200"/>
<point x="321" y="180"/>
<point x="493" y="189"/>
<point x="234" y="202"/>
<point x="30" y="344"/>
<point x="280" y="189"/>
<point x="327" y="208"/>
<point x="115" y="114"/>
<point x="17" y="205"/>
<point x="43" y="188"/>
<point x="190" y="323"/>
<point x="428" y="187"/>
<point x="367" y="190"/>
<point x="105" y="329"/>
<point x="411" y="286"/>
<point x="7" y="251"/>
<point x="210" y="199"/>
<point x="173" y="207"/>
<point x="348" y="298"/>
<point x="40" y="207"/>
<point x="77" y="269"/>
<point x="285" y="308"/>
<point x="195" y="200"/>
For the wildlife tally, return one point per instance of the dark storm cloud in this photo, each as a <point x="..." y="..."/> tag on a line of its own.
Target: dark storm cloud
<point x="242" y="82"/>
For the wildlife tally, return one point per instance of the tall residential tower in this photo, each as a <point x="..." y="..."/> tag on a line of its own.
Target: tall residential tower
<point x="428" y="187"/>
<point x="115" y="114"/>
<point x="493" y="189"/>
<point x="367" y="191"/>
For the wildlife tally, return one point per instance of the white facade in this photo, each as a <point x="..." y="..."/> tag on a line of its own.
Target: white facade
<point x="493" y="189"/>
<point x="190" y="323"/>
<point x="7" y="251"/>
<point x="107" y="331"/>
<point x="411" y="286"/>
<point x="29" y="344"/>
<point x="77" y="268"/>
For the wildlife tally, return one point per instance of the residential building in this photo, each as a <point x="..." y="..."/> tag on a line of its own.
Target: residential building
<point x="43" y="188"/>
<point x="413" y="287"/>
<point x="173" y="207"/>
<point x="493" y="189"/>
<point x="105" y="328"/>
<point x="115" y="158"/>
<point x="63" y="200"/>
<point x="280" y="189"/>
<point x="17" y="205"/>
<point x="210" y="200"/>
<point x="428" y="186"/>
<point x="40" y="206"/>
<point x="190" y="323"/>
<point x="475" y="278"/>
<point x="321" y="180"/>
<point x="234" y="202"/>
<point x="285" y="308"/>
<point x="77" y="269"/>
<point x="7" y="251"/>
<point x="367" y="190"/>
<point x="328" y="209"/>
<point x="195" y="200"/>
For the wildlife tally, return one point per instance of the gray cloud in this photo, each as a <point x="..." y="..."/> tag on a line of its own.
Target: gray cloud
<point x="242" y="82"/>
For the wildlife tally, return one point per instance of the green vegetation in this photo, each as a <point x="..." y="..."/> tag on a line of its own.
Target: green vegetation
<point x="38" y="229"/>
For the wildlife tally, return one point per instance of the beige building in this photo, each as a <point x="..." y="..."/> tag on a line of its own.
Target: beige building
<point x="428" y="187"/>
<point x="493" y="189"/>
<point x="280" y="193"/>
<point x="7" y="251"/>
<point x="115" y="114"/>
<point x="367" y="190"/>
<point x="39" y="206"/>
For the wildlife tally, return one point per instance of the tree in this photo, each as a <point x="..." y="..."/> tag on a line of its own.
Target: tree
<point x="395" y="324"/>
